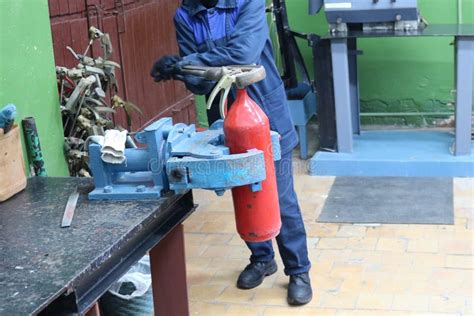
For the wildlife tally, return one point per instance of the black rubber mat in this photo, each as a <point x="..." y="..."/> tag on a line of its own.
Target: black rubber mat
<point x="390" y="200"/>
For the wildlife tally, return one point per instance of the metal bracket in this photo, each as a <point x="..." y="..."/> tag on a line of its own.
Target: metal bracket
<point x="217" y="174"/>
<point x="201" y="160"/>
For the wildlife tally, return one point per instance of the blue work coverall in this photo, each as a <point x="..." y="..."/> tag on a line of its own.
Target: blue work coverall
<point x="235" y="32"/>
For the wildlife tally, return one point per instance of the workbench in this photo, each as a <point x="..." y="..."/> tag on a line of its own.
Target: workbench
<point x="388" y="153"/>
<point x="49" y="270"/>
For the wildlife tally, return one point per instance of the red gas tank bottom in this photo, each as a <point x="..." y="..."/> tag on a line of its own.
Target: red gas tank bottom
<point x="257" y="214"/>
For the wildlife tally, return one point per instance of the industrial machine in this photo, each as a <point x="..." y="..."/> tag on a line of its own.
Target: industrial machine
<point x="369" y="15"/>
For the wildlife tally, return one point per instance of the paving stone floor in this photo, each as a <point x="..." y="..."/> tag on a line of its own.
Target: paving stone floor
<point x="357" y="270"/>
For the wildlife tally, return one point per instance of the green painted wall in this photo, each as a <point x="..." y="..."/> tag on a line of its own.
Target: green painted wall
<point x="399" y="75"/>
<point x="27" y="74"/>
<point x="201" y="111"/>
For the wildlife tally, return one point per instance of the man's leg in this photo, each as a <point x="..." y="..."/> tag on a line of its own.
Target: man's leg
<point x="262" y="261"/>
<point x="292" y="238"/>
<point x="262" y="264"/>
<point x="261" y="251"/>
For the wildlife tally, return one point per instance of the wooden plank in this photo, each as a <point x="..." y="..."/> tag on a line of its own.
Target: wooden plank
<point x="53" y="8"/>
<point x="133" y="47"/>
<point x="127" y="57"/>
<point x="72" y="6"/>
<point x="108" y="4"/>
<point x="159" y="89"/>
<point x="94" y="311"/>
<point x="92" y="2"/>
<point x="57" y="44"/>
<point x="79" y="35"/>
<point x="11" y="163"/>
<point x="68" y="41"/>
<point x="110" y="26"/>
<point x="62" y="39"/>
<point x="63" y="7"/>
<point x="81" y="5"/>
<point x="148" y="59"/>
<point x="192" y="115"/>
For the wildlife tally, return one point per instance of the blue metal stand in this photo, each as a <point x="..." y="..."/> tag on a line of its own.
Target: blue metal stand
<point x="301" y="112"/>
<point x="464" y="100"/>
<point x="396" y="153"/>
<point x="342" y="94"/>
<point x="360" y="155"/>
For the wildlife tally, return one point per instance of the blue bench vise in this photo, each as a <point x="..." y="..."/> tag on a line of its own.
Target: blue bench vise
<point x="178" y="158"/>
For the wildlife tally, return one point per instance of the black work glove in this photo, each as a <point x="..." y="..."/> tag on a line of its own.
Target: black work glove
<point x="166" y="67"/>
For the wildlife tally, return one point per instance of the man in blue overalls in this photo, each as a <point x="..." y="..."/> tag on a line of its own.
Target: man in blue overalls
<point x="235" y="32"/>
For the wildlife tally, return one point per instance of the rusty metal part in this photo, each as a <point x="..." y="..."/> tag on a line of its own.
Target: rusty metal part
<point x="128" y="107"/>
<point x="69" y="210"/>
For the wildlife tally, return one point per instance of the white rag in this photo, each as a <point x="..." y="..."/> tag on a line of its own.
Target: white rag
<point x="113" y="147"/>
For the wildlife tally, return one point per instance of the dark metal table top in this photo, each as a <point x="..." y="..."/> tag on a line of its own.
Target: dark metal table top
<point x="432" y="30"/>
<point x="41" y="261"/>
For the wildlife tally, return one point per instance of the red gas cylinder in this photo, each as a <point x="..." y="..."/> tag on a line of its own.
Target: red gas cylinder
<point x="257" y="214"/>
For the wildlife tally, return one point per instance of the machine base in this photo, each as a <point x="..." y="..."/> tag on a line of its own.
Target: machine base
<point x="396" y="153"/>
<point x="126" y="193"/>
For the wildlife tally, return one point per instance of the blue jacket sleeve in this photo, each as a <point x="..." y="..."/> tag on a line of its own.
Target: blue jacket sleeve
<point x="245" y="44"/>
<point x="187" y="46"/>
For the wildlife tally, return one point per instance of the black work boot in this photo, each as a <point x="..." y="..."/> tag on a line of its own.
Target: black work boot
<point x="299" y="289"/>
<point x="254" y="274"/>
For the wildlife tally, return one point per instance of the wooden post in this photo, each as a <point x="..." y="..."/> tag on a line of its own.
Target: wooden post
<point x="94" y="311"/>
<point x="168" y="274"/>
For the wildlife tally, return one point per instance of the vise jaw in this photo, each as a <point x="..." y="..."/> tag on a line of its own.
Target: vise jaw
<point x="178" y="158"/>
